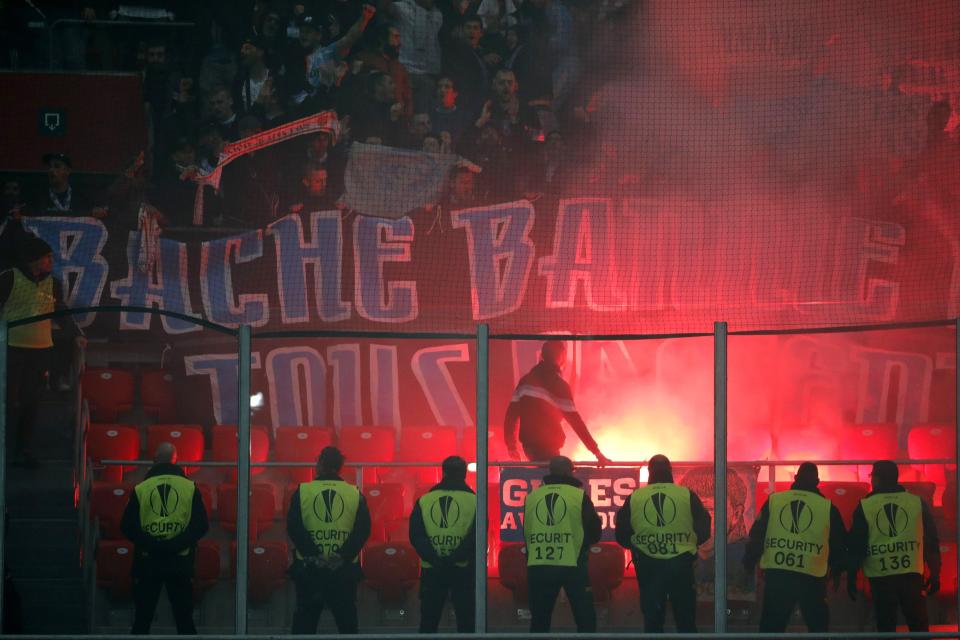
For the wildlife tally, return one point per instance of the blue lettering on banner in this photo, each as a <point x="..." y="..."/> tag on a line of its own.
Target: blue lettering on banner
<point x="347" y="408"/>
<point x="324" y="258"/>
<point x="384" y="385"/>
<point x="377" y="241"/>
<point x="164" y="286"/>
<point x="608" y="489"/>
<point x="221" y="370"/>
<point x="500" y="253"/>
<point x="216" y="281"/>
<point x="78" y="262"/>
<point x="286" y="367"/>
<point x="430" y="368"/>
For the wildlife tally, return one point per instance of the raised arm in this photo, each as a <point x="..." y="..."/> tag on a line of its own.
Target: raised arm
<point x="353" y="34"/>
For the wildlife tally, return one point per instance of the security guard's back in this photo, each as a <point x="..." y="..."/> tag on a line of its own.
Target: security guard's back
<point x="165" y="519"/>
<point x="559" y="525"/>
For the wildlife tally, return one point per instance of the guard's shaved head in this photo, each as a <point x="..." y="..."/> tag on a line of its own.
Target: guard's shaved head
<point x="561" y="466"/>
<point x="166" y="453"/>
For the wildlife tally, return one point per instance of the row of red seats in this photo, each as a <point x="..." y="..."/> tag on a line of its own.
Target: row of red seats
<point x="292" y="444"/>
<point x="110" y="392"/>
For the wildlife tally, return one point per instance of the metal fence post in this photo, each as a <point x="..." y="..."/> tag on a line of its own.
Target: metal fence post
<point x="956" y="452"/>
<point x="243" y="475"/>
<point x="720" y="477"/>
<point x="3" y="456"/>
<point x="483" y="355"/>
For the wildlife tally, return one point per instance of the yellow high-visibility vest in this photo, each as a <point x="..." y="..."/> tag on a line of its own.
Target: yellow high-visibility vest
<point x="894" y="534"/>
<point x="28" y="299"/>
<point x="166" y="505"/>
<point x="328" y="509"/>
<point x="447" y="518"/>
<point x="798" y="533"/>
<point x="553" y="525"/>
<point x="661" y="521"/>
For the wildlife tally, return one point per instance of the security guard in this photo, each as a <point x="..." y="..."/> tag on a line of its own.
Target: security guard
<point x="164" y="519"/>
<point x="329" y="523"/>
<point x="892" y="535"/>
<point x="798" y="535"/>
<point x="559" y="525"/>
<point x="662" y="524"/>
<point x="443" y="531"/>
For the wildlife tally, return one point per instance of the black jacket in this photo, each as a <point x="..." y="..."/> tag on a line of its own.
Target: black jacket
<point x="421" y="542"/>
<point x="836" y="560"/>
<point x="152" y="555"/>
<point x="592" y="525"/>
<point x="624" y="527"/>
<point x="857" y="539"/>
<point x="304" y="542"/>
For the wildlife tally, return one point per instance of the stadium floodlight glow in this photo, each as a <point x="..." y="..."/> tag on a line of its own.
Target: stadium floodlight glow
<point x="256" y="400"/>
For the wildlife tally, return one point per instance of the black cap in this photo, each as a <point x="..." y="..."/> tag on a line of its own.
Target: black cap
<point x="330" y="459"/>
<point x="33" y="248"/>
<point x="454" y="467"/>
<point x="62" y="157"/>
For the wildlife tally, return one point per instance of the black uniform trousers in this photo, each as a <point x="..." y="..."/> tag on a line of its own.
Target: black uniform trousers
<point x="783" y="590"/>
<point x="535" y="452"/>
<point x="905" y="592"/>
<point x="545" y="584"/>
<point x="146" y="594"/>
<point x="319" y="588"/>
<point x="663" y="581"/>
<point x="27" y="370"/>
<point x="435" y="585"/>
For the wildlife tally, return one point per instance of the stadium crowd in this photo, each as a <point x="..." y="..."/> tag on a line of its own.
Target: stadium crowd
<point x="504" y="84"/>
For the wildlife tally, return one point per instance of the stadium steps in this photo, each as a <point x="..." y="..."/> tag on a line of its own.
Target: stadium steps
<point x="43" y="544"/>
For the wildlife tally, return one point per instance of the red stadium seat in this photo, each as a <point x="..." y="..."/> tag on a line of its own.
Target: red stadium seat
<point x="513" y="569"/>
<point x="368" y="444"/>
<point x="267" y="563"/>
<point x="225" y="447"/>
<point x="158" y="395"/>
<point x="397" y="530"/>
<point x="933" y="441"/>
<point x="391" y="569"/>
<point x="845" y="496"/>
<point x="187" y="438"/>
<point x="112" y="442"/>
<point x="262" y="507"/>
<point x="108" y="392"/>
<point x="606" y="564"/>
<point x="114" y="560"/>
<point x="923" y="489"/>
<point x="206" y="567"/>
<point x="301" y="444"/>
<point x="869" y="442"/>
<point x="385" y="502"/>
<point x="948" y="571"/>
<point x="427" y="444"/>
<point x="107" y="503"/>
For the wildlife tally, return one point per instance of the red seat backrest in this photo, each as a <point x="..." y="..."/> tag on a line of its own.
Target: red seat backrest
<point x="107" y="503"/>
<point x="427" y="444"/>
<point x="874" y="441"/>
<point x="158" y="395"/>
<point x="206" y="566"/>
<point x="267" y="563"/>
<point x="845" y="496"/>
<point x="368" y="444"/>
<point x="187" y="438"/>
<point x="114" y="560"/>
<point x="513" y="569"/>
<point x="948" y="570"/>
<point x="930" y="442"/>
<point x="301" y="444"/>
<point x="606" y="564"/>
<point x="113" y="442"/>
<point x="923" y="489"/>
<point x="262" y="507"/>
<point x="108" y="392"/>
<point x="397" y="530"/>
<point x="391" y="569"/>
<point x="385" y="501"/>
<point x="225" y="447"/>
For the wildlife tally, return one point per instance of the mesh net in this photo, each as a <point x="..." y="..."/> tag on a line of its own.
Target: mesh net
<point x="626" y="168"/>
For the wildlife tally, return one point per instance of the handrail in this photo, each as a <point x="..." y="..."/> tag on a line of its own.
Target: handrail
<point x="832" y="635"/>
<point x="106" y="23"/>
